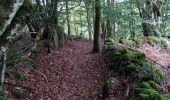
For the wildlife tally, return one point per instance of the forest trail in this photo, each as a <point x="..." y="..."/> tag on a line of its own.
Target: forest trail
<point x="70" y="73"/>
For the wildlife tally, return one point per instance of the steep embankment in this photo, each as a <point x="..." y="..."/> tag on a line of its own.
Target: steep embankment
<point x="159" y="55"/>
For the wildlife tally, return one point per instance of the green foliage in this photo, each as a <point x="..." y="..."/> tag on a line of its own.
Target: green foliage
<point x="163" y="42"/>
<point x="154" y="85"/>
<point x="35" y="50"/>
<point x="3" y="95"/>
<point x="145" y="85"/>
<point x="18" y="94"/>
<point x="153" y="40"/>
<point x="1" y="23"/>
<point x="19" y="75"/>
<point x="13" y="57"/>
<point x="34" y="64"/>
<point x="110" y="42"/>
<point x="147" y="94"/>
<point x="138" y="41"/>
<point x="125" y="42"/>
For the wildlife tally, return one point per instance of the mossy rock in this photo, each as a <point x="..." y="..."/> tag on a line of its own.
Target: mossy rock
<point x="133" y="55"/>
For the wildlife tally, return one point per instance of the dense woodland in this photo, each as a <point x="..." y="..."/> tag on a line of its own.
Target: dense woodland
<point x="85" y="49"/>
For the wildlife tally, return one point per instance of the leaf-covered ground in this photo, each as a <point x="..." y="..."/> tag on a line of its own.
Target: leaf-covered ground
<point x="160" y="56"/>
<point x="70" y="73"/>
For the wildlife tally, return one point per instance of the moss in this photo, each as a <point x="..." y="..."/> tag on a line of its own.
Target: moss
<point x="145" y="85"/>
<point x="35" y="51"/>
<point x="135" y="65"/>
<point x="143" y="96"/>
<point x="110" y="40"/>
<point x="133" y="55"/>
<point x="13" y="57"/>
<point x="153" y="40"/>
<point x="156" y="96"/>
<point x="18" y="94"/>
<point x="34" y="64"/>
<point x="19" y="75"/>
<point x="2" y="22"/>
<point x="138" y="41"/>
<point x="154" y="85"/>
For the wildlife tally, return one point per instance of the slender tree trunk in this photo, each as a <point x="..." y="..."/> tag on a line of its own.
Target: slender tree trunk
<point x="88" y="21"/>
<point x="43" y="1"/>
<point x="109" y="25"/>
<point x="54" y="17"/>
<point x="103" y="27"/>
<point x="81" y="28"/>
<point x="68" y="18"/>
<point x="96" y="46"/>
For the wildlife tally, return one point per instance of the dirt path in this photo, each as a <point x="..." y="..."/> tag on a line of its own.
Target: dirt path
<point x="71" y="73"/>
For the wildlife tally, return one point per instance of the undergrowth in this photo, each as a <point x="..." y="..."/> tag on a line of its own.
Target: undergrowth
<point x="152" y="40"/>
<point x="133" y="64"/>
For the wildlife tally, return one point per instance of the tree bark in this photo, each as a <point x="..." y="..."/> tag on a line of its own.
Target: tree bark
<point x="88" y="21"/>
<point x="151" y="12"/>
<point x="68" y="19"/>
<point x="96" y="45"/>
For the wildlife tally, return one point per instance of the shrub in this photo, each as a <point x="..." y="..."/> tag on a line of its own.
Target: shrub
<point x="163" y="42"/>
<point x="153" y="40"/>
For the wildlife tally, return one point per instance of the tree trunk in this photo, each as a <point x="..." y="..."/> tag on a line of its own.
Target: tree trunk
<point x="68" y="19"/>
<point x="96" y="45"/>
<point x="151" y="12"/>
<point x="109" y="27"/>
<point x="54" y="13"/>
<point x="88" y="21"/>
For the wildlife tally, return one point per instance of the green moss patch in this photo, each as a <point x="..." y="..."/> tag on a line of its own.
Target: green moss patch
<point x="134" y="65"/>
